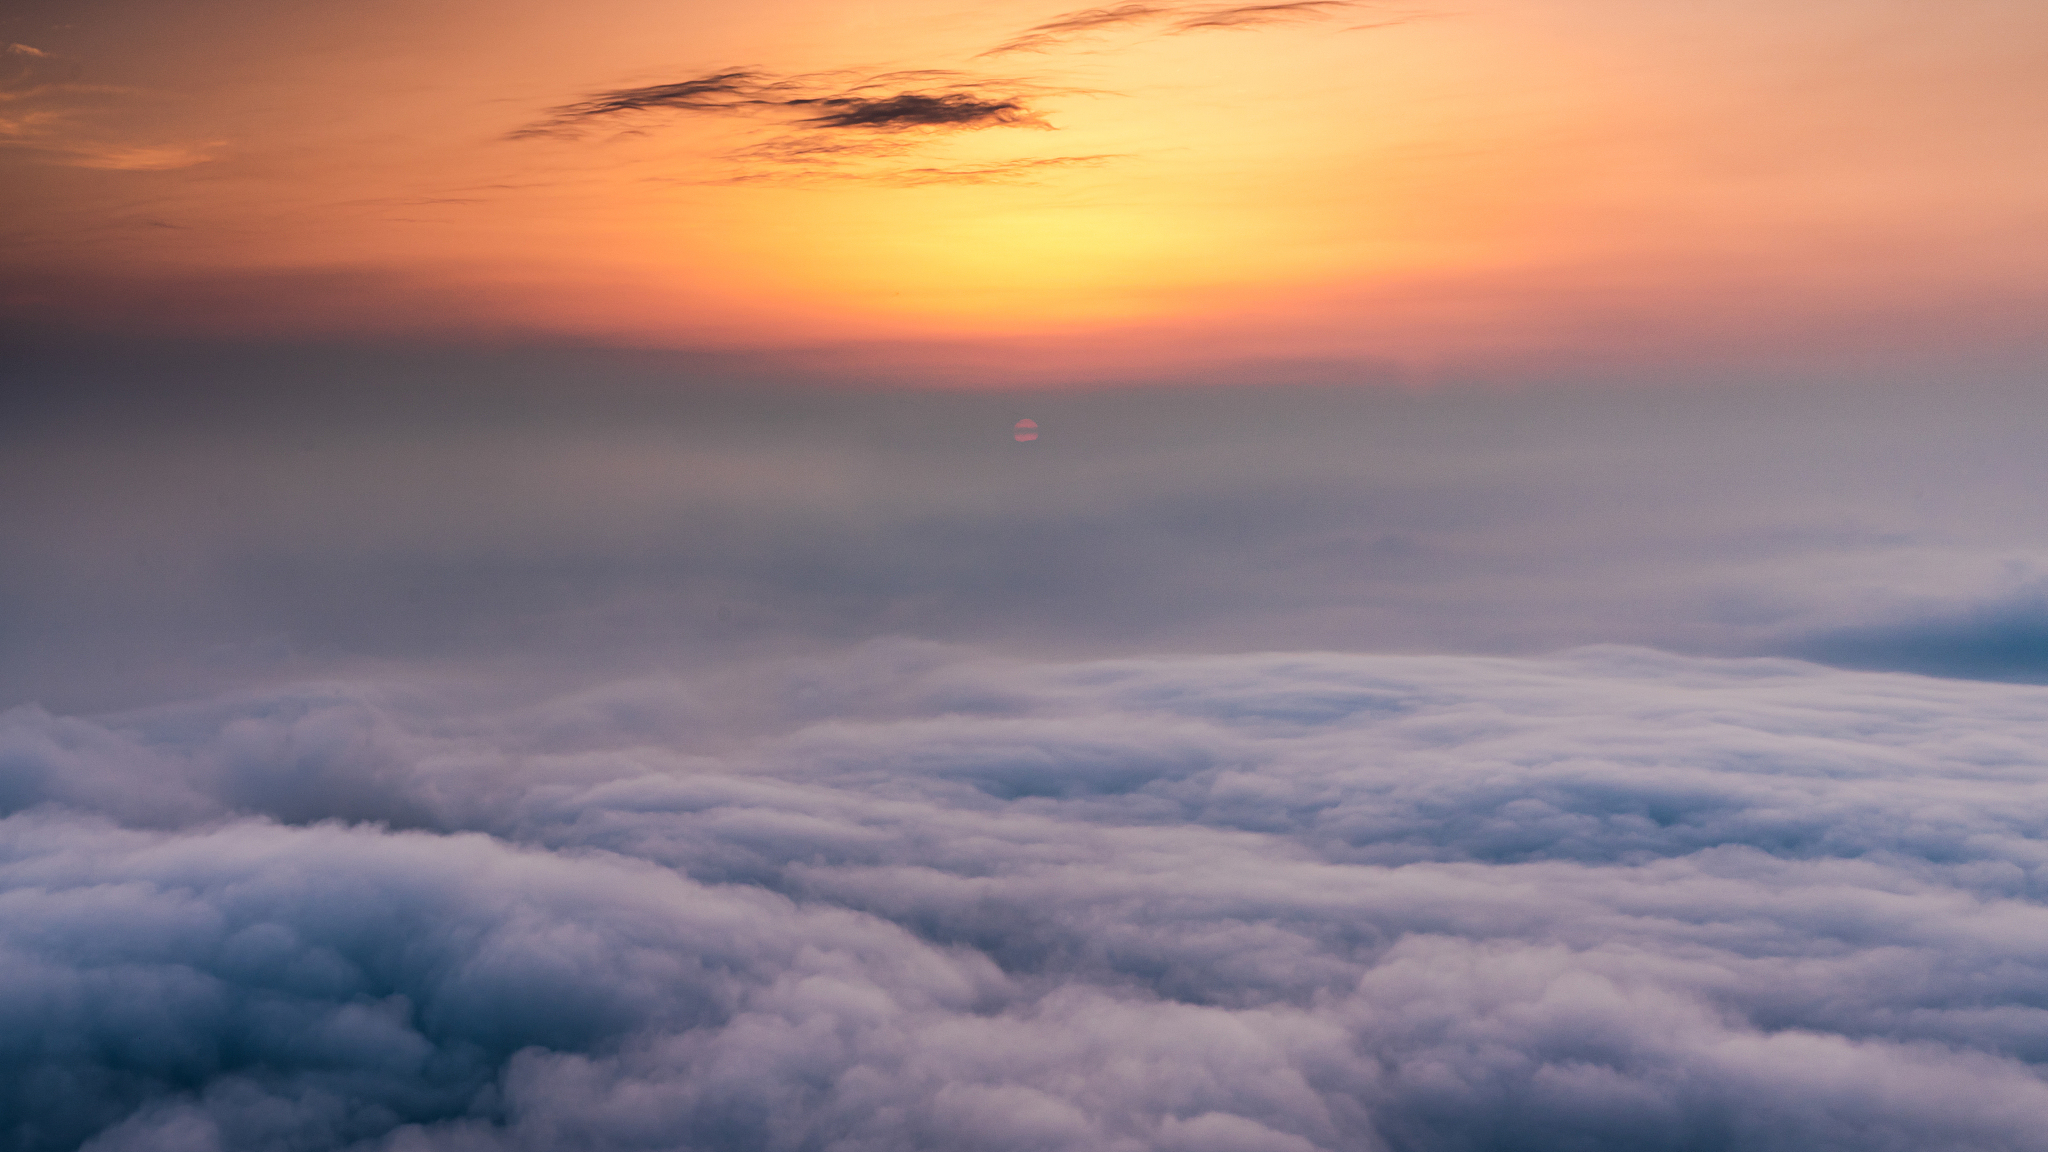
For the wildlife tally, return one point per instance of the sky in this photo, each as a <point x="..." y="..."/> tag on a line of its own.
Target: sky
<point x="1134" y="188"/>
<point x="525" y="624"/>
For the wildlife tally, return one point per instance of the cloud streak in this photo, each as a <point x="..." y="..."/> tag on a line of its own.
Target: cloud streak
<point x="886" y="102"/>
<point x="830" y="163"/>
<point x="1165" y="20"/>
<point x="829" y="119"/>
<point x="913" y="897"/>
<point x="1062" y="29"/>
<point x="827" y="123"/>
<point x="55" y="114"/>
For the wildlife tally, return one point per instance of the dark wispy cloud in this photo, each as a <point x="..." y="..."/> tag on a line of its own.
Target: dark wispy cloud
<point x="917" y="898"/>
<point x="828" y="123"/>
<point x="716" y="92"/>
<point x="966" y="106"/>
<point x="800" y="160"/>
<point x="1005" y="172"/>
<point x="884" y="102"/>
<point x="1255" y="15"/>
<point x="1072" y="25"/>
<point x="1164" y="19"/>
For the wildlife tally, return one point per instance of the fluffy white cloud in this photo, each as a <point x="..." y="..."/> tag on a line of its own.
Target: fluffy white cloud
<point x="916" y="898"/>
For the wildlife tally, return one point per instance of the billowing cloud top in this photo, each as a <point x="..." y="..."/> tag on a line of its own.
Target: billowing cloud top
<point x="917" y="899"/>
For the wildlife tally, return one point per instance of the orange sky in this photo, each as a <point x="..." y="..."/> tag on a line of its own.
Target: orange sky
<point x="1417" y="183"/>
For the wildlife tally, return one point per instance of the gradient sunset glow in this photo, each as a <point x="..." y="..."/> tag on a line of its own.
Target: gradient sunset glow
<point x="1405" y="182"/>
<point x="946" y="576"/>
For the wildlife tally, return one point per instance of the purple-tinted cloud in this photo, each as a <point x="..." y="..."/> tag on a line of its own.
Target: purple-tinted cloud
<point x="914" y="898"/>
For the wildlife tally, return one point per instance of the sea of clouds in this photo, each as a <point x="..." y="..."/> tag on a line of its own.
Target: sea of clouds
<point x="921" y="897"/>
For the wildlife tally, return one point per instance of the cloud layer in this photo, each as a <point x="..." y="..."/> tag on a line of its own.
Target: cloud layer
<point x="915" y="898"/>
<point x="220" y="521"/>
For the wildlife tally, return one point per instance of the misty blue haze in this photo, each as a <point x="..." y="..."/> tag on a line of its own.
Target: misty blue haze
<point x="567" y="750"/>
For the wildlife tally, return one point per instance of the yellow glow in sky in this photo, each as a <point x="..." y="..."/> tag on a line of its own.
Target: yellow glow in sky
<point x="1360" y="179"/>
